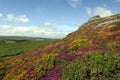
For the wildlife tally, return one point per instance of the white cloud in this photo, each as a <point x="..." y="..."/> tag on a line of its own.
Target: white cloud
<point x="88" y="10"/>
<point x="45" y="30"/>
<point x="117" y="0"/>
<point x="14" y="18"/>
<point x="19" y="18"/>
<point x="1" y="14"/>
<point x="74" y="3"/>
<point x="102" y="11"/>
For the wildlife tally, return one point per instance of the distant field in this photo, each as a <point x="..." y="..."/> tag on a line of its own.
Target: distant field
<point x="12" y="49"/>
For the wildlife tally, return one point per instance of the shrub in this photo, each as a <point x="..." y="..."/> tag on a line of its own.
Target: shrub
<point x="93" y="66"/>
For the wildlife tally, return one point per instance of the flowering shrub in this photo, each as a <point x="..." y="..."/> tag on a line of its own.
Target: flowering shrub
<point x="117" y="34"/>
<point x="32" y="69"/>
<point x="78" y="44"/>
<point x="95" y="66"/>
<point x="53" y="74"/>
<point x="90" y="49"/>
<point x="2" y="70"/>
<point x="68" y="56"/>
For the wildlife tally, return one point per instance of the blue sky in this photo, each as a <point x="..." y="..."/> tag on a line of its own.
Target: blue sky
<point x="50" y="18"/>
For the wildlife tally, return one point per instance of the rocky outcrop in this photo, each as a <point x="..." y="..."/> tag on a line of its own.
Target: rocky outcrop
<point x="98" y="21"/>
<point x="108" y="23"/>
<point x="94" y="18"/>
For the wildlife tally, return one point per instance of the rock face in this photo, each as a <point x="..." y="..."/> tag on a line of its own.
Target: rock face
<point x="94" y="18"/>
<point x="108" y="22"/>
<point x="75" y="57"/>
<point x="97" y="20"/>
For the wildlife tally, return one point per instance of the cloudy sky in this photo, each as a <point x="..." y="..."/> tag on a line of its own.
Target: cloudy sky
<point x="50" y="18"/>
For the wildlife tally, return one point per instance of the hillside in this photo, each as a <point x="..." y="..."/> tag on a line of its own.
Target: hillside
<point x="90" y="53"/>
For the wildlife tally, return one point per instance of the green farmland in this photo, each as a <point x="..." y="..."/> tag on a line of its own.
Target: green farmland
<point x="13" y="49"/>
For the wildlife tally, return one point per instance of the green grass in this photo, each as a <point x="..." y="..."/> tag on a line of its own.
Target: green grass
<point x="11" y="49"/>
